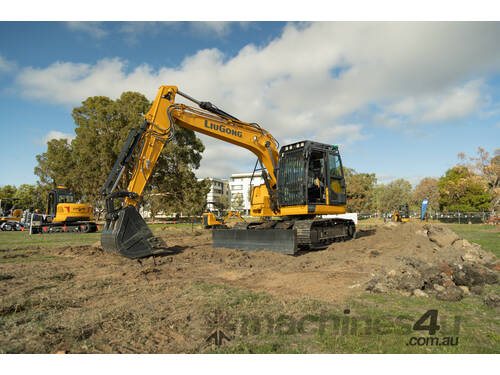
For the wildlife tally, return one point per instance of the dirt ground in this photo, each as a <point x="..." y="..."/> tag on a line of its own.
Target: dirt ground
<point x="87" y="300"/>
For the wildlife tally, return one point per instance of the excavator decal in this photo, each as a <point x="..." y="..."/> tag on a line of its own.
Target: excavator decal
<point x="223" y="129"/>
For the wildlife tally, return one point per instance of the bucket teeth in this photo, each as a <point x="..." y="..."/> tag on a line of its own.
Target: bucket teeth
<point x="128" y="234"/>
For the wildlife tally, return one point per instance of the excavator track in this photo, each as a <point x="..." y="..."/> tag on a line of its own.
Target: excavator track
<point x="284" y="236"/>
<point x="318" y="234"/>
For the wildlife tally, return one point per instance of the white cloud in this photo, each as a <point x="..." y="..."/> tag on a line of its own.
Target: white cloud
<point x="451" y="104"/>
<point x="219" y="28"/>
<point x="334" y="134"/>
<point x="311" y="80"/>
<point x="54" y="134"/>
<point x="94" y="29"/>
<point x="132" y="31"/>
<point x="6" y="66"/>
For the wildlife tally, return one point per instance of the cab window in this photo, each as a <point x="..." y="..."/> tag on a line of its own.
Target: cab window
<point x="335" y="168"/>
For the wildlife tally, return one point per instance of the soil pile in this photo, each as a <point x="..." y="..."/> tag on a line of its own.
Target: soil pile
<point x="432" y="259"/>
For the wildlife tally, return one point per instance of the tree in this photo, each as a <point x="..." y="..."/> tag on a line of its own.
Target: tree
<point x="238" y="202"/>
<point x="195" y="196"/>
<point x="360" y="189"/>
<point x="174" y="174"/>
<point x="40" y="196"/>
<point x="153" y="202"/>
<point x="389" y="197"/>
<point x="26" y="195"/>
<point x="487" y="167"/>
<point x="222" y="202"/>
<point x="102" y="126"/>
<point x="56" y="166"/>
<point x="462" y="190"/>
<point x="7" y="192"/>
<point x="427" y="188"/>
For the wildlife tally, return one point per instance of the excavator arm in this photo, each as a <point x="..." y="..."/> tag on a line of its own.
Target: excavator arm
<point x="125" y="231"/>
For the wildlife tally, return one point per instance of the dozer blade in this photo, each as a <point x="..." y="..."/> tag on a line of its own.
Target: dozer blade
<point x="278" y="240"/>
<point x="128" y="234"/>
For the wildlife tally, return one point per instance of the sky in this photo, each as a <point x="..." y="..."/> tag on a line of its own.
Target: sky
<point x="401" y="99"/>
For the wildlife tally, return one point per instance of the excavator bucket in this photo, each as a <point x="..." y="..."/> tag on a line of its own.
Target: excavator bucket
<point x="278" y="240"/>
<point x="127" y="233"/>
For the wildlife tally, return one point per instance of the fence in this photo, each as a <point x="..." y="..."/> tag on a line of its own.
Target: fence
<point x="444" y="217"/>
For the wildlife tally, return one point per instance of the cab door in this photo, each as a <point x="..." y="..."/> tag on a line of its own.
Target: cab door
<point x="52" y="204"/>
<point x="336" y="185"/>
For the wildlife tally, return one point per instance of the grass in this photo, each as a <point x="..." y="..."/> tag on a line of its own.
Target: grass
<point x="368" y="324"/>
<point x="22" y="240"/>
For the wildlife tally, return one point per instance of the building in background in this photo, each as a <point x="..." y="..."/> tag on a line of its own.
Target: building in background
<point x="240" y="184"/>
<point x="219" y="192"/>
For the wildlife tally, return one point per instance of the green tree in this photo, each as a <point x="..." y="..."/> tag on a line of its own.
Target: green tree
<point x="238" y="204"/>
<point x="487" y="167"/>
<point x="427" y="188"/>
<point x="40" y="196"/>
<point x="360" y="188"/>
<point x="174" y="176"/>
<point x="56" y="165"/>
<point x="462" y="190"/>
<point x="389" y="197"/>
<point x="195" y="196"/>
<point x="26" y="195"/>
<point x="153" y="202"/>
<point x="7" y="192"/>
<point x="222" y="202"/>
<point x="102" y="126"/>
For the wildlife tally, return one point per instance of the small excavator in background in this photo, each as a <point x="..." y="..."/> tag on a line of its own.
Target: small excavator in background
<point x="401" y="214"/>
<point x="301" y="180"/>
<point x="12" y="221"/>
<point x="210" y="221"/>
<point x="64" y="214"/>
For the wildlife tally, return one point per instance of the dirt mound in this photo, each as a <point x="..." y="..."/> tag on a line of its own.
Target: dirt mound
<point x="431" y="259"/>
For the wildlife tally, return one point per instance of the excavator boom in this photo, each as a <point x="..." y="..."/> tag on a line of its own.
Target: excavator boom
<point x="125" y="231"/>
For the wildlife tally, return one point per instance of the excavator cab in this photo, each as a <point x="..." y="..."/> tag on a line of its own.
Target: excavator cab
<point x="310" y="174"/>
<point x="59" y="195"/>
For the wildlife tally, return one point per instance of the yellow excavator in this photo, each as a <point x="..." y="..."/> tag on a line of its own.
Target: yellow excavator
<point x="301" y="180"/>
<point x="210" y="221"/>
<point x="15" y="213"/>
<point x="64" y="214"/>
<point x="12" y="220"/>
<point x="401" y="214"/>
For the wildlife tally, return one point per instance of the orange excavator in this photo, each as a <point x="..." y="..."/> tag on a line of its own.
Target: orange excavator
<point x="301" y="181"/>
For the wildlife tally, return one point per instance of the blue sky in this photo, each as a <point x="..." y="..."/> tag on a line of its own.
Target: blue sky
<point x="402" y="99"/>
